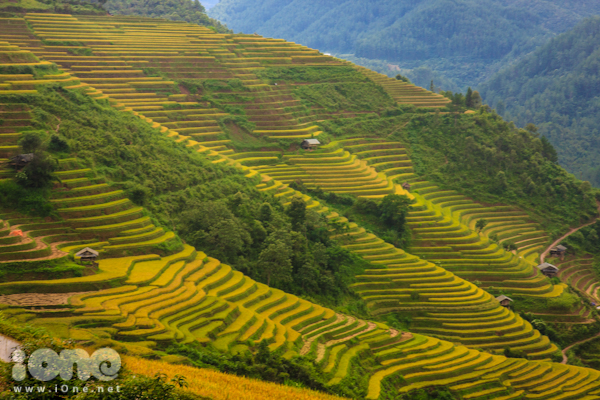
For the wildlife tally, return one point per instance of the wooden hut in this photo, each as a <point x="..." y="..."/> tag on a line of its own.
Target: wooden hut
<point x="548" y="269"/>
<point x="406" y="186"/>
<point x="504" y="300"/>
<point x="87" y="254"/>
<point x="20" y="161"/>
<point x="310" y="144"/>
<point x="558" y="251"/>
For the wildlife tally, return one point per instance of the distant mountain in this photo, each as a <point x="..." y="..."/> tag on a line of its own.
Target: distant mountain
<point x="176" y="10"/>
<point x="465" y="40"/>
<point x="557" y="87"/>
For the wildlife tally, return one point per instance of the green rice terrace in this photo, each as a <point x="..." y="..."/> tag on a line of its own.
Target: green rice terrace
<point x="242" y="105"/>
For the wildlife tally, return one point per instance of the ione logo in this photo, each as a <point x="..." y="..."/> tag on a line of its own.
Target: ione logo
<point x="45" y="364"/>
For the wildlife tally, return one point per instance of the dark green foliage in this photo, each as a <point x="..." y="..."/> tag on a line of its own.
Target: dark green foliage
<point x="393" y="210"/>
<point x="174" y="10"/>
<point x="556" y="88"/>
<point x="46" y="269"/>
<point x="403" y="78"/>
<point x="480" y="224"/>
<point x="39" y="173"/>
<point x="490" y="160"/>
<point x="32" y="201"/>
<point x="57" y="144"/>
<point x="31" y="141"/>
<point x="586" y="240"/>
<point x="297" y="213"/>
<point x="515" y="353"/>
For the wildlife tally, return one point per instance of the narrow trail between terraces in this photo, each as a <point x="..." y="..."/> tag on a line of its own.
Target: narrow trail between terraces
<point x="566" y="235"/>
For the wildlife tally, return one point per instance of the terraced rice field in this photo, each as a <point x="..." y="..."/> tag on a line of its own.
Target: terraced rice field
<point x="93" y="215"/>
<point x="443" y="222"/>
<point x="189" y="296"/>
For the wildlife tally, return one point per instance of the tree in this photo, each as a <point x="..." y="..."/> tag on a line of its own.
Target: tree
<point x="30" y="142"/>
<point x="509" y="246"/>
<point x="265" y="213"/>
<point x="431" y="87"/>
<point x="297" y="213"/>
<point x="476" y="100"/>
<point x="402" y="78"/>
<point x="393" y="210"/>
<point x="39" y="173"/>
<point x="229" y="238"/>
<point x="548" y="151"/>
<point x="480" y="224"/>
<point x="469" y="98"/>
<point x="275" y="262"/>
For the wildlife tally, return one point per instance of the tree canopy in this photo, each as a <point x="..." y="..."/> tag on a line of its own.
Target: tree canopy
<point x="556" y="88"/>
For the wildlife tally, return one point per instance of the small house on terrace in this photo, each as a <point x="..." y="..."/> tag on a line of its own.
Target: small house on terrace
<point x="548" y="269"/>
<point x="87" y="254"/>
<point x="310" y="144"/>
<point x="504" y="300"/>
<point x="406" y="186"/>
<point x="558" y="251"/>
<point x="20" y="161"/>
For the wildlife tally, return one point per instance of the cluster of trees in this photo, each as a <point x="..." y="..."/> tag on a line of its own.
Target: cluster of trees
<point x="191" y="11"/>
<point x="585" y="240"/>
<point x="30" y="189"/>
<point x="387" y="218"/>
<point x="491" y="160"/>
<point x="289" y="248"/>
<point x="556" y="88"/>
<point x="472" y="99"/>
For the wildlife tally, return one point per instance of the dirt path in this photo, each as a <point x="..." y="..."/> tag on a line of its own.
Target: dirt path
<point x="564" y="352"/>
<point x="37" y="299"/>
<point x="572" y="231"/>
<point x="40" y="244"/>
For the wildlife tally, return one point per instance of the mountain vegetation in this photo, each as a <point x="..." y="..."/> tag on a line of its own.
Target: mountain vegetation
<point x="437" y="34"/>
<point x="365" y="264"/>
<point x="556" y="87"/>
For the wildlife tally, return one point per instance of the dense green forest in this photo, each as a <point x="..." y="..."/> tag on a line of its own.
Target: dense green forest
<point x="556" y="88"/>
<point x="176" y="10"/>
<point x="465" y="40"/>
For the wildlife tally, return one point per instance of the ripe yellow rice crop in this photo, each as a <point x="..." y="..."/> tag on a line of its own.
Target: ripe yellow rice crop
<point x="221" y="386"/>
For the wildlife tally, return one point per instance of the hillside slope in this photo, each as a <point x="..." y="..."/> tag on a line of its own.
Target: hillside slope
<point x="556" y="88"/>
<point x="473" y="38"/>
<point x="238" y="105"/>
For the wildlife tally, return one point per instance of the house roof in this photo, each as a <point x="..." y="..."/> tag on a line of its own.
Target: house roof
<point x="311" y="141"/>
<point x="546" y="266"/>
<point x="87" y="252"/>
<point x="561" y="247"/>
<point x="503" y="297"/>
<point x="23" y="158"/>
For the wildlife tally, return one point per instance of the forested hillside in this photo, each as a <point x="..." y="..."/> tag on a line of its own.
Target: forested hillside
<point x="557" y="88"/>
<point x="158" y="197"/>
<point x="463" y="40"/>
